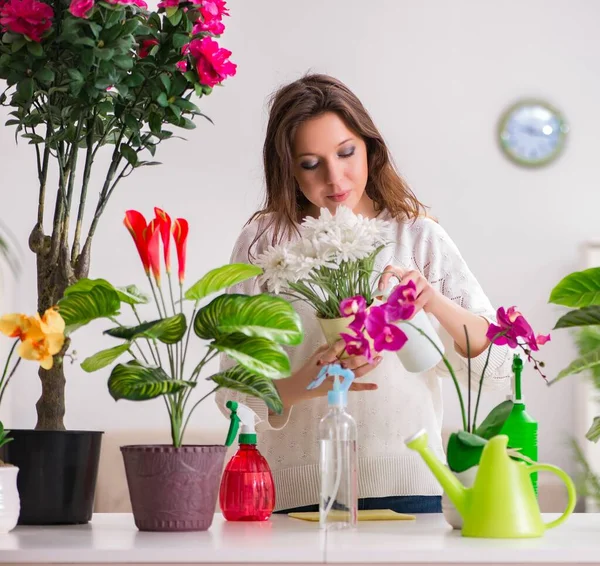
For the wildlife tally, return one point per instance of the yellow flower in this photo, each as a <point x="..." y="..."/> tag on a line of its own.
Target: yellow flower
<point x="14" y="325"/>
<point x="41" y="337"/>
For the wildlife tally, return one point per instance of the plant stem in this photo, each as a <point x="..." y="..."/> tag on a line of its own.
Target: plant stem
<point x="469" y="374"/>
<point x="487" y="359"/>
<point x="450" y="369"/>
<point x="194" y="407"/>
<point x="10" y="354"/>
<point x="8" y="378"/>
<point x="43" y="177"/>
<point x="115" y="321"/>
<point x="87" y="170"/>
<point x="137" y="316"/>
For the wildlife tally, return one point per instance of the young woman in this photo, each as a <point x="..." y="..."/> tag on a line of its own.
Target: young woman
<point x="323" y="150"/>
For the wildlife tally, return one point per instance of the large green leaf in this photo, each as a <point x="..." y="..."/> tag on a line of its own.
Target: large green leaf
<point x="136" y="382"/>
<point x="78" y="309"/>
<point x="587" y="339"/>
<point x="579" y="289"/>
<point x="594" y="433"/>
<point x="260" y="315"/>
<point x="586" y="316"/>
<point x="493" y="423"/>
<point x="221" y="278"/>
<point x="168" y="330"/>
<point x="130" y="294"/>
<point x="105" y="357"/>
<point x="585" y="362"/>
<point x="240" y="379"/>
<point x="256" y="354"/>
<point x="464" y="451"/>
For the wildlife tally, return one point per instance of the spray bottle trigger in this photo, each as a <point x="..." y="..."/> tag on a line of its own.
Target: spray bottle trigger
<point x="234" y="424"/>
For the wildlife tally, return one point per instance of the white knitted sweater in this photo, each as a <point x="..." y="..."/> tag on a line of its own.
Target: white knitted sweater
<point x="403" y="404"/>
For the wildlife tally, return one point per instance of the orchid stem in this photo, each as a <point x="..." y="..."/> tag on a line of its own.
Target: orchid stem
<point x="469" y="383"/>
<point x="10" y="354"/>
<point x="487" y="359"/>
<point x="450" y="369"/>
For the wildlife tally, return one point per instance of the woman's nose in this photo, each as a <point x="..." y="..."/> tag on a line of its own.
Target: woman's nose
<point x="334" y="173"/>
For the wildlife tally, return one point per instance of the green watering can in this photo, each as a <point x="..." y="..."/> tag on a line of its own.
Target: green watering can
<point x="502" y="502"/>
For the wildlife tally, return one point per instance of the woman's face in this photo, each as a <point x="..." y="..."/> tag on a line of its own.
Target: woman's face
<point x="330" y="165"/>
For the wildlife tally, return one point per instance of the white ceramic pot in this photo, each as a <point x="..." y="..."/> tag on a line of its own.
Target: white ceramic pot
<point x="10" y="504"/>
<point x="419" y="354"/>
<point x="451" y="515"/>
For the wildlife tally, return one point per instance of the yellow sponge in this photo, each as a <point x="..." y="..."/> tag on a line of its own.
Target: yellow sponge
<point x="365" y="515"/>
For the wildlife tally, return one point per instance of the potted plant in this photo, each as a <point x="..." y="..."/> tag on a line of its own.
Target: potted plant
<point x="333" y="259"/>
<point x="377" y="329"/>
<point x="85" y="79"/>
<point x="38" y="339"/>
<point x="174" y="487"/>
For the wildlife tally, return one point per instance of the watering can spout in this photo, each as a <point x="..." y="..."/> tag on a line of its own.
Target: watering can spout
<point x="457" y="493"/>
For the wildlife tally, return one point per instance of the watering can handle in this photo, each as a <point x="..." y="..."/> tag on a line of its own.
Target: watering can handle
<point x="571" y="494"/>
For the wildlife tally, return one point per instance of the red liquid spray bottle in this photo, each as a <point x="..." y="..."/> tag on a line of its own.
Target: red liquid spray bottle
<point x="247" y="490"/>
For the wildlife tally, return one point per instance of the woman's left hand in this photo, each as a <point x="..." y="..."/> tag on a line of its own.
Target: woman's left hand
<point x="425" y="293"/>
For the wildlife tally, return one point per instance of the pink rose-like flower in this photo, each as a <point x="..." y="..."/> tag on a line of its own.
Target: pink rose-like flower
<point x="145" y="46"/>
<point x="30" y="18"/>
<point x="81" y="8"/>
<point x="168" y="4"/>
<point x="400" y="304"/>
<point x="385" y="336"/>
<point x="215" y="27"/>
<point x="212" y="61"/>
<point x="182" y="65"/>
<point x="138" y="3"/>
<point x="357" y="345"/>
<point x="213" y="9"/>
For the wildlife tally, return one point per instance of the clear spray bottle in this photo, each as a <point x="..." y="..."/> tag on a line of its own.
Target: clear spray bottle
<point x="338" y="507"/>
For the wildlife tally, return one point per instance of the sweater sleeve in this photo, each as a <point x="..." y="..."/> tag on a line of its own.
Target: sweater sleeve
<point x="249" y="287"/>
<point x="440" y="261"/>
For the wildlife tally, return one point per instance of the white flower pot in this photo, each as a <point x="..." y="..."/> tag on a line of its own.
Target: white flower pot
<point x="10" y="505"/>
<point x="419" y="354"/>
<point x="452" y="516"/>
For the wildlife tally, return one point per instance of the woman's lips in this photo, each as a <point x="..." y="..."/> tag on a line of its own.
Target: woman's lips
<point x="339" y="197"/>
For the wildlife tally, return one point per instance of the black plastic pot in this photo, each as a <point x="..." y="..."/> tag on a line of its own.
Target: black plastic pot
<point x="57" y="474"/>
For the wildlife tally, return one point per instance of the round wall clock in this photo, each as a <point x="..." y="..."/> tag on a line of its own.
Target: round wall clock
<point x="532" y="133"/>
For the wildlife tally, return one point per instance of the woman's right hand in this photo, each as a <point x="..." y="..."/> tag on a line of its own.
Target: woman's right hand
<point x="293" y="389"/>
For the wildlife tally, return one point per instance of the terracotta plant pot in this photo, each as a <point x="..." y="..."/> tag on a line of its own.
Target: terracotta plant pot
<point x="173" y="489"/>
<point x="10" y="505"/>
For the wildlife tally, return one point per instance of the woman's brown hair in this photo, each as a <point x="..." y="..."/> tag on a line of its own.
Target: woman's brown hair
<point x="307" y="98"/>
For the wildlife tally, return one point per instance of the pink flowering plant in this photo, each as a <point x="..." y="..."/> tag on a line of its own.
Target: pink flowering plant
<point x="85" y="77"/>
<point x="374" y="330"/>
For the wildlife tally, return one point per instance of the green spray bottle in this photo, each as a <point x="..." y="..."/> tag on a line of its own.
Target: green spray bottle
<point x="520" y="427"/>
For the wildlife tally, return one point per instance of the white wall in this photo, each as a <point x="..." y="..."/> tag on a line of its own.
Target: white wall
<point x="436" y="77"/>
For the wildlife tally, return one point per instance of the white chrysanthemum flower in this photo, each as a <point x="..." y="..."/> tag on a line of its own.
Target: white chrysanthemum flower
<point x="278" y="267"/>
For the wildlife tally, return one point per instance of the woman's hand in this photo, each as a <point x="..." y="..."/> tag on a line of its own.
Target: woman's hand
<point x="292" y="389"/>
<point x="427" y="296"/>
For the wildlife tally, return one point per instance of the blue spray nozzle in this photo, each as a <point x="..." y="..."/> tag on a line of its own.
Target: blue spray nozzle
<point x="339" y="394"/>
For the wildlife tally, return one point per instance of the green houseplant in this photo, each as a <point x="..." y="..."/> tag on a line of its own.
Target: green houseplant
<point x="92" y="82"/>
<point x="175" y="487"/>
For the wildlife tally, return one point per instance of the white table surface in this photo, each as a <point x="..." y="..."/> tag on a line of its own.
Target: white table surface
<point x="114" y="539"/>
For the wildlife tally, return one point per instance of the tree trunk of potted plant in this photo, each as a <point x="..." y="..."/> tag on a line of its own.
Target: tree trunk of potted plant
<point x="90" y="75"/>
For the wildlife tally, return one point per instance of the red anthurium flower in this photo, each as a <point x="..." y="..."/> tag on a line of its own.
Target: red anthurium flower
<point x="357" y="345"/>
<point x="136" y="224"/>
<point x="385" y="336"/>
<point x="400" y="304"/>
<point x="152" y="237"/>
<point x="180" y="233"/>
<point x="164" y="221"/>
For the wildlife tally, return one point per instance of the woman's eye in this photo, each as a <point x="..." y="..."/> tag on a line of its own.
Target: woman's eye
<point x="347" y="152"/>
<point x="309" y="165"/>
